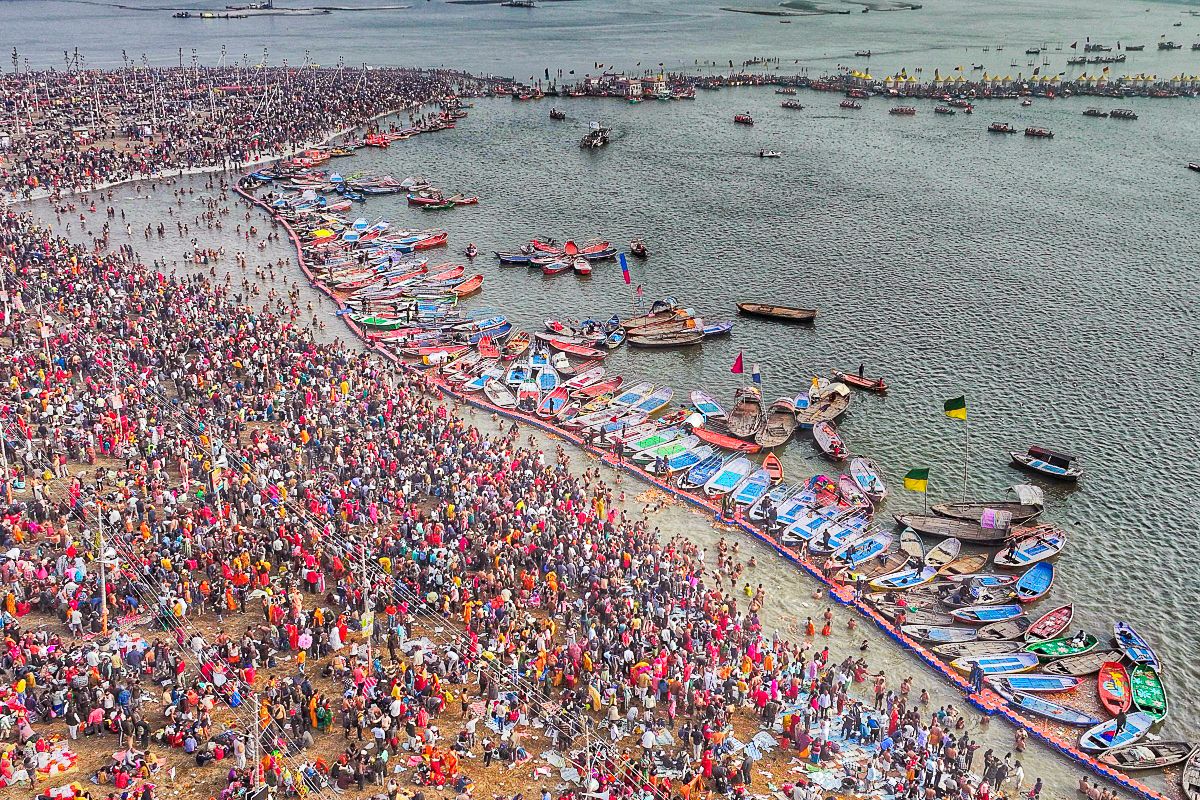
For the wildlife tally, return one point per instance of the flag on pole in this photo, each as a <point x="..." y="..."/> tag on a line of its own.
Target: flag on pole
<point x="754" y="376"/>
<point x="625" y="270"/>
<point x="737" y="365"/>
<point x="916" y="480"/>
<point x="956" y="407"/>
<point x="1074" y="45"/>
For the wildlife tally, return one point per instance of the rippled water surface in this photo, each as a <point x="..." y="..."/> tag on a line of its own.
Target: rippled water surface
<point x="1051" y="282"/>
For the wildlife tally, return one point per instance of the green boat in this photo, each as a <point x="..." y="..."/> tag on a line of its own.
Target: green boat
<point x="665" y="450"/>
<point x="437" y="206"/>
<point x="1148" y="692"/>
<point x="1061" y="648"/>
<point x="380" y="323"/>
<point x="653" y="439"/>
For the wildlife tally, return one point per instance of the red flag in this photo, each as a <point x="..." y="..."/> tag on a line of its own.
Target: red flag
<point x="1074" y="45"/>
<point x="737" y="365"/>
<point x="639" y="291"/>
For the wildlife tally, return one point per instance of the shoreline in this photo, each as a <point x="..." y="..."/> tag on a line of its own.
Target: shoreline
<point x="986" y="701"/>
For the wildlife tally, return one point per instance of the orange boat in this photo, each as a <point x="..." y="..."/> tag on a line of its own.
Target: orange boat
<point x="488" y="348"/>
<point x="469" y="286"/>
<point x="859" y="382"/>
<point x="726" y="442"/>
<point x="774" y="468"/>
<point x="432" y="241"/>
<point x="517" y="344"/>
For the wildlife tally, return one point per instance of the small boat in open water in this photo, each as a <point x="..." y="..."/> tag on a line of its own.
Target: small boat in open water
<point x="1048" y="462"/>
<point x="780" y="313"/>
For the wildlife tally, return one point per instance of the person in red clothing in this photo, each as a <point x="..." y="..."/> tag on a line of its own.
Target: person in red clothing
<point x="707" y="762"/>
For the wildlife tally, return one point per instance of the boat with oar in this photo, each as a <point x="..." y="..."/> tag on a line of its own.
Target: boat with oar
<point x="825" y="403"/>
<point x="515" y="346"/>
<point x="671" y="314"/>
<point x="598" y="389"/>
<point x="1081" y="665"/>
<point x="645" y="439"/>
<point x="1035" y="583"/>
<point x="905" y="579"/>
<point x="1007" y="630"/>
<point x="1112" y="684"/>
<point x="553" y="402"/>
<point x="779" y="424"/>
<point x="1105" y="736"/>
<point x="952" y="650"/>
<point x="969" y="564"/>
<point x="688" y="458"/>
<point x="876" y="385"/>
<point x="915" y="616"/>
<point x="647" y="457"/>
<point x="777" y="313"/>
<point x="869" y="477"/>
<point x="964" y="595"/>
<point x="1029" y="503"/>
<point x="989" y="579"/>
<point x="1149" y="694"/>
<point x="944" y="553"/>
<point x="746" y="418"/>
<point x="1147" y="755"/>
<point x="829" y="441"/>
<point x="1136" y="649"/>
<point x="1051" y="624"/>
<point x="1031" y="703"/>
<point x="1028" y="546"/>
<point x="996" y="665"/>
<point x="972" y="532"/>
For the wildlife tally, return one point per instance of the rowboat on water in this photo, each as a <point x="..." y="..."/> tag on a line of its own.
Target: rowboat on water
<point x="665" y="451"/>
<point x="854" y="553"/>
<point x="1036" y="582"/>
<point x="1006" y="630"/>
<point x="664" y="340"/>
<point x="1051" y="624"/>
<point x="976" y="595"/>
<point x="770" y="502"/>
<point x="989" y="579"/>
<point x="1149" y="695"/>
<point x="973" y="532"/>
<point x="499" y="394"/>
<point x="687" y="458"/>
<point x="859" y="382"/>
<point x="850" y="494"/>
<point x="726" y="442"/>
<point x="905" y="579"/>
<point x="633" y="395"/>
<point x="1147" y="755"/>
<point x="868" y="476"/>
<point x="979" y="615"/>
<point x="940" y="635"/>
<point x="829" y="441"/>
<point x="582" y="380"/>
<point x="751" y="489"/>
<point x="699" y="474"/>
<point x="1023" y="701"/>
<point x="970" y="564"/>
<point x="527" y="396"/>
<point x="553" y="402"/>
<point x="655" y="402"/>
<point x="1063" y="646"/>
<point x="779" y="313"/>
<point x="916" y="616"/>
<point x="911" y="544"/>
<point x="1030" y="545"/>
<point x="746" y="418"/>
<point x="1190" y="779"/>
<point x="832" y="402"/>
<point x="774" y="468"/>
<point x="728" y="477"/>
<point x="945" y="552"/>
<point x="996" y="665"/>
<point x="1105" y="736"/>
<point x="1084" y="664"/>
<point x="975" y="647"/>
<point x="1029" y="504"/>
<point x="779" y="424"/>
<point x="1113" y="686"/>
<point x="1135" y="647"/>
<point x="646" y="440"/>
<point x="1048" y="462"/>
<point x="1038" y="682"/>
<point x="706" y="405"/>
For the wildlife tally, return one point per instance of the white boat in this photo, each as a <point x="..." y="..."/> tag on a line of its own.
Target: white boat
<point x="1038" y="544"/>
<point x="706" y="405"/>
<point x="997" y="664"/>
<point x="633" y="395"/>
<point x="904" y="579"/>
<point x="499" y="394"/>
<point x="867" y="475"/>
<point x="728" y="477"/>
<point x="752" y="488"/>
<point x="854" y="553"/>
<point x="1105" y="737"/>
<point x="585" y="379"/>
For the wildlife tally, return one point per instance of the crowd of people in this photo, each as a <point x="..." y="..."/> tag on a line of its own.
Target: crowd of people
<point x="73" y="130"/>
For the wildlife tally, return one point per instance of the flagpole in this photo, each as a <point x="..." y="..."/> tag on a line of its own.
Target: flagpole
<point x="966" y="457"/>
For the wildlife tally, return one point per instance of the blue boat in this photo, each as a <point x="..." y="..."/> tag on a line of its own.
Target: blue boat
<point x="720" y="329"/>
<point x="1135" y="647"/>
<point x="729" y="476"/>
<point x="1043" y="708"/>
<point x="976" y="615"/>
<point x="998" y="664"/>
<point x="776" y="496"/>
<point x="1037" y="682"/>
<point x="905" y="579"/>
<point x="704" y="403"/>
<point x="1105" y="736"/>
<point x="751" y="490"/>
<point x="1036" y="582"/>
<point x="855" y="553"/>
<point x="547" y="379"/>
<point x="849" y="527"/>
<point x="689" y="458"/>
<point x="701" y="473"/>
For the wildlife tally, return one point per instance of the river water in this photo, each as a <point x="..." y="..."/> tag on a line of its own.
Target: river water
<point x="1051" y="282"/>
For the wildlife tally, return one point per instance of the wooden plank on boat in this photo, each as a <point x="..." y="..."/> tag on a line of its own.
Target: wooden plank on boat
<point x="780" y="313"/>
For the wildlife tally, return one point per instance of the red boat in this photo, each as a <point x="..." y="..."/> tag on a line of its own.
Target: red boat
<point x="574" y="349"/>
<point x="582" y="266"/>
<point x="1113" y="685"/>
<point x="597" y="389"/>
<point x="570" y="248"/>
<point x="555" y="267"/>
<point x="1050" y="624"/>
<point x="422" y="200"/>
<point x="420" y="352"/>
<point x="545" y="247"/>
<point x="595" y="248"/>
<point x="726" y="442"/>
<point x="488" y="348"/>
<point x="468" y="287"/>
<point x="859" y="382"/>
<point x="432" y="241"/>
<point x="774" y="468"/>
<point x="743" y="119"/>
<point x="454" y="273"/>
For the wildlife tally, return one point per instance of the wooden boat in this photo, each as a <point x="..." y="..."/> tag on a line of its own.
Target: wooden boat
<point x="1028" y="546"/>
<point x="553" y="402"/>
<point x="1084" y="664"/>
<point x="779" y="424"/>
<point x="825" y="433"/>
<point x="582" y="380"/>
<point x="670" y="314"/>
<point x="1148" y="692"/>
<point x="1112" y="683"/>
<point x="859" y="382"/>
<point x="726" y="442"/>
<point x="981" y="615"/>
<point x="996" y="665"/>
<point x="989" y="579"/>
<point x="1035" y="583"/>
<point x="1190" y="779"/>
<point x="701" y="472"/>
<point x="517" y="344"/>
<point x="849" y="493"/>
<point x="780" y="313"/>
<point x="1135" y="647"/>
<point x="1051" y="624"/>
<point x="917" y="616"/>
<point x="911" y="544"/>
<point x="1031" y="703"/>
<point x="877" y="568"/>
<point x="774" y="468"/>
<point x="1008" y="630"/>
<point x="499" y="394"/>
<point x="1039" y="682"/>
<point x="944" y="527"/>
<point x="746" y="418"/>
<point x="854" y="553"/>
<point x="1029" y="504"/>
<point x="944" y="553"/>
<point x="598" y="389"/>
<point x="751" y="489"/>
<point x="940" y="634"/>
<point x="1104" y="736"/>
<point x="527" y="396"/>
<point x="1048" y="462"/>
<point x="970" y="564"/>
<point x="832" y="404"/>
<point x="662" y="340"/>
<point x="975" y="647"/>
<point x="1147" y="755"/>
<point x="869" y="477"/>
<point x="963" y="596"/>
<point x="1062" y="647"/>
<point x="905" y="579"/>
<point x="706" y="405"/>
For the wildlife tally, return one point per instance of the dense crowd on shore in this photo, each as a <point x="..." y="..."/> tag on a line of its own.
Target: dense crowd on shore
<point x="291" y="524"/>
<point x="75" y="130"/>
